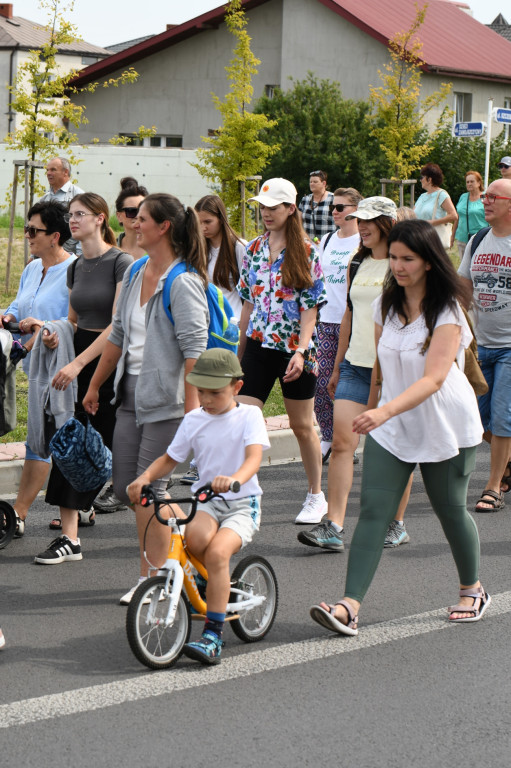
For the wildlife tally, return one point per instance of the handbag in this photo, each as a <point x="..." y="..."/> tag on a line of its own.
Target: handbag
<point x="444" y="230"/>
<point x="80" y="454"/>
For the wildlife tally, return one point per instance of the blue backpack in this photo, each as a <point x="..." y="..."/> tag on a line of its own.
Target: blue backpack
<point x="220" y="311"/>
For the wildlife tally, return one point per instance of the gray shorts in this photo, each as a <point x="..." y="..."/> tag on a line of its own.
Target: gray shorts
<point x="243" y="516"/>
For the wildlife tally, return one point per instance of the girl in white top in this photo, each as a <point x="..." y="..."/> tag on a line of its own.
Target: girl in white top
<point x="335" y="252"/>
<point x="225" y="249"/>
<point x="427" y="414"/>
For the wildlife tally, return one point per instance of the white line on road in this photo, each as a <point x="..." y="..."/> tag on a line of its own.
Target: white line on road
<point x="166" y="682"/>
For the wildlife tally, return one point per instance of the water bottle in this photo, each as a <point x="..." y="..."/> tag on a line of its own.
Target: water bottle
<point x="232" y="333"/>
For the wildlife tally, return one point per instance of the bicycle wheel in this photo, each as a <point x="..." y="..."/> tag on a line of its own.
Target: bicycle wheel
<point x="255" y="574"/>
<point x="153" y="644"/>
<point x="7" y="523"/>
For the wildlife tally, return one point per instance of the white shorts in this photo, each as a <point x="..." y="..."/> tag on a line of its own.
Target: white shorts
<point x="243" y="516"/>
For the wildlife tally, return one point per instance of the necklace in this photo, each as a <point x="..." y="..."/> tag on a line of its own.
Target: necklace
<point x="97" y="259"/>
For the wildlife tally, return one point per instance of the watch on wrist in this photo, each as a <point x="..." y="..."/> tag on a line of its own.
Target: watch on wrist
<point x="301" y="350"/>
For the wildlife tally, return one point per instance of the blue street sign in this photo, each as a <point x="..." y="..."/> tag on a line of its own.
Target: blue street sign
<point x="502" y="115"/>
<point x="469" y="129"/>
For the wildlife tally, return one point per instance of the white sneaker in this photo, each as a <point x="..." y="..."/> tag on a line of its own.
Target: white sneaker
<point x="314" y="508"/>
<point x="126" y="599"/>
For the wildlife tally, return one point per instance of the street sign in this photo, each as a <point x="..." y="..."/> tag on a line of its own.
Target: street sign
<point x="470" y="129"/>
<point x="502" y="115"/>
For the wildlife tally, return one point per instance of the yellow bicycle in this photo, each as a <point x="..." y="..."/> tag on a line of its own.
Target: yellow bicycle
<point x="158" y="621"/>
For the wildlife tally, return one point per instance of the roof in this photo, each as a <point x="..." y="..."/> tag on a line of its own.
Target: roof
<point x="501" y="27"/>
<point x="117" y="47"/>
<point x="22" y="33"/>
<point x="450" y="36"/>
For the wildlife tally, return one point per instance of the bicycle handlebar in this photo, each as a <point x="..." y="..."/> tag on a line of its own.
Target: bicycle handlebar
<point x="205" y="493"/>
<point x="11" y="326"/>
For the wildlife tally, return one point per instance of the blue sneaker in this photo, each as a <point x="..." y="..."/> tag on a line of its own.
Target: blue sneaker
<point x="323" y="535"/>
<point x="207" y="650"/>
<point x="396" y="535"/>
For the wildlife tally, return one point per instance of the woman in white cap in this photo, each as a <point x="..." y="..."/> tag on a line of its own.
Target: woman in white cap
<point x="351" y="378"/>
<point x="504" y="166"/>
<point x="281" y="285"/>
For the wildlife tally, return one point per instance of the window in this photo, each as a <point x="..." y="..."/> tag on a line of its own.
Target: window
<point x="152" y="141"/>
<point x="463" y="107"/>
<point x="87" y="60"/>
<point x="269" y="90"/>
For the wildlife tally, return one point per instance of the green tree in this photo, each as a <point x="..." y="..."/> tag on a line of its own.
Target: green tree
<point x="319" y="130"/>
<point x="237" y="151"/>
<point x="399" y="113"/>
<point x="42" y="95"/>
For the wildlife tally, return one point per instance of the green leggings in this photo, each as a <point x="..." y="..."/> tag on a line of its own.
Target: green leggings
<point x="384" y="479"/>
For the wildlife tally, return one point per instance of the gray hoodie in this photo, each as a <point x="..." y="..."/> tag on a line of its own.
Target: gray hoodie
<point x="159" y="393"/>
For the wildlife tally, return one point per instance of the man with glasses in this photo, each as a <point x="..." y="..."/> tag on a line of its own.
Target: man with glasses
<point x="505" y="167"/>
<point x="487" y="275"/>
<point x="58" y="173"/>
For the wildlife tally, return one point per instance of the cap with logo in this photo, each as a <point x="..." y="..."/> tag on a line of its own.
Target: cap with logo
<point x="276" y="191"/>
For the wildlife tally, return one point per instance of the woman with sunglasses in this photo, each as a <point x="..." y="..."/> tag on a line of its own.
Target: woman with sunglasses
<point x="282" y="289"/>
<point x="126" y="207"/>
<point x="42" y="295"/>
<point x="335" y="251"/>
<point x="94" y="283"/>
<point x="315" y="208"/>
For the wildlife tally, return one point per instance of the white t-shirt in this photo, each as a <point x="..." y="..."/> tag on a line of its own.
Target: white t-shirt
<point x="449" y="420"/>
<point x="334" y="257"/>
<point x="232" y="296"/>
<point x="218" y="444"/>
<point x="490" y="272"/>
<point x="137" y="337"/>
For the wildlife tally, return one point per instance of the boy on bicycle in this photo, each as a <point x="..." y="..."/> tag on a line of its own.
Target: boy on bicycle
<point x="227" y="439"/>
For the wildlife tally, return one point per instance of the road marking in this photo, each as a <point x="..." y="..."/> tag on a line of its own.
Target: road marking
<point x="170" y="681"/>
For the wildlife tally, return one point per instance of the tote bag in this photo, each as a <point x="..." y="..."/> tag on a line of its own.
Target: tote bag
<point x="444" y="230"/>
<point x="80" y="454"/>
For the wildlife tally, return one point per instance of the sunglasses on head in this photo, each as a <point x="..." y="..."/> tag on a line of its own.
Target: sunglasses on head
<point x="130" y="213"/>
<point x="502" y="165"/>
<point x="339" y="207"/>
<point x="32" y="231"/>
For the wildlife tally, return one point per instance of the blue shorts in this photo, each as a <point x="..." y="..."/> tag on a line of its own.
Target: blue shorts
<point x="495" y="405"/>
<point x="354" y="383"/>
<point x="31" y="456"/>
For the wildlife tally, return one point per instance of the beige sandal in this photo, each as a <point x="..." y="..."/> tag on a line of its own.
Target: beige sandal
<point x="481" y="602"/>
<point x="327" y="618"/>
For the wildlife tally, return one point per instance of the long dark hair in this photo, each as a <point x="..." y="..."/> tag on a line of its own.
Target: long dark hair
<point x="96" y="205"/>
<point x="226" y="270"/>
<point x="384" y="224"/>
<point x="296" y="268"/>
<point x="184" y="234"/>
<point x="443" y="286"/>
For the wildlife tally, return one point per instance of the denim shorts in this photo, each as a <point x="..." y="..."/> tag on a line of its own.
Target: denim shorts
<point x="31" y="456"/>
<point x="495" y="405"/>
<point x="354" y="383"/>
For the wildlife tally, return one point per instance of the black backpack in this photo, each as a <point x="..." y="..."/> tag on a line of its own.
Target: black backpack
<point x="476" y="240"/>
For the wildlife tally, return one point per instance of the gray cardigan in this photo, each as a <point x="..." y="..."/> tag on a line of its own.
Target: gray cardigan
<point x="159" y="392"/>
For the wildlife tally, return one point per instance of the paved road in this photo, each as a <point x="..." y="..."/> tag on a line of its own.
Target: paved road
<point x="410" y="690"/>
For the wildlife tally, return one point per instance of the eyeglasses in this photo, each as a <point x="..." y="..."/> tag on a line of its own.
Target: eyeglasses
<point x="339" y="207"/>
<point x="489" y="198"/>
<point x="32" y="231"/>
<point x="503" y="165"/>
<point x="77" y="215"/>
<point x="130" y="213"/>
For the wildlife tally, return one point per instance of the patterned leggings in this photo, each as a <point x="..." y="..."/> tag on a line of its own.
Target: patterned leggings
<point x="328" y="339"/>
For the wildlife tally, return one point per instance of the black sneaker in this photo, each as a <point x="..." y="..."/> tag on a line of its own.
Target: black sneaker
<point x="108" y="502"/>
<point x="60" y="550"/>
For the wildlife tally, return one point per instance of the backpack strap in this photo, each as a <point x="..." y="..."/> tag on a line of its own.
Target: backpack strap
<point x="137" y="266"/>
<point x="477" y="239"/>
<point x="179" y="269"/>
<point x="352" y="271"/>
<point x="329" y="237"/>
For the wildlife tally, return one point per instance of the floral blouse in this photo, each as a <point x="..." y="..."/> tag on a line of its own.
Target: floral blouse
<point x="275" y="319"/>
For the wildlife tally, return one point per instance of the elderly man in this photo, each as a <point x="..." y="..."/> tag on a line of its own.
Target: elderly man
<point x="487" y="275"/>
<point x="505" y="167"/>
<point x="58" y="173"/>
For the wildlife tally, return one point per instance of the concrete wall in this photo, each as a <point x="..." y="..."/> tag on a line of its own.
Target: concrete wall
<point x="160" y="170"/>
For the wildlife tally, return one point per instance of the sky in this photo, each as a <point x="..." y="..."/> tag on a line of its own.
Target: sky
<point x="105" y="22"/>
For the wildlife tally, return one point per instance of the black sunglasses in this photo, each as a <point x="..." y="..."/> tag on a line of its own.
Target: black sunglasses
<point x="32" y="231"/>
<point x="130" y="213"/>
<point x="339" y="207"/>
<point x="503" y="165"/>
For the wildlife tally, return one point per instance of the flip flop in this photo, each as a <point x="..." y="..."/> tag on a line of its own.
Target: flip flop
<point x="327" y="619"/>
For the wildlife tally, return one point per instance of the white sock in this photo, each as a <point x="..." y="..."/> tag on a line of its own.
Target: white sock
<point x="336" y="527"/>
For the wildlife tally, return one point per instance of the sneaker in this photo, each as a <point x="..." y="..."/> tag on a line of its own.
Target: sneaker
<point x="207" y="650"/>
<point x="2" y="640"/>
<point x="323" y="535"/>
<point x="326" y="450"/>
<point x="396" y="535"/>
<point x="126" y="599"/>
<point x="190" y="477"/>
<point x="60" y="550"/>
<point x="313" y="510"/>
<point x="356" y="459"/>
<point x="108" y="502"/>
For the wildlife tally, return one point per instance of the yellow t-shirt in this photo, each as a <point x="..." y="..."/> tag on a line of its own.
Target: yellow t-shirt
<point x="366" y="287"/>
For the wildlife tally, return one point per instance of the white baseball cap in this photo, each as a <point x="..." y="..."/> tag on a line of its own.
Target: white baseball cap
<point x="276" y="191"/>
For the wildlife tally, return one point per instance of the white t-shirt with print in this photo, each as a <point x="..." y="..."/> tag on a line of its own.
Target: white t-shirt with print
<point x="334" y="257"/>
<point x="218" y="444"/>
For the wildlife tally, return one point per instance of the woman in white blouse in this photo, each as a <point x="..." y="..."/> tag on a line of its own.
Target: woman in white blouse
<point x="427" y="414"/>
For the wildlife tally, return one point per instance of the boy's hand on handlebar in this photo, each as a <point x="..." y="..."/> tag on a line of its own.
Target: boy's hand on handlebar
<point x="134" y="489"/>
<point x="222" y="483"/>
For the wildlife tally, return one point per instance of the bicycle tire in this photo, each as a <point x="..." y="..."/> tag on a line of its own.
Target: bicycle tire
<point x="256" y="572"/>
<point x="7" y="523"/>
<point x="156" y="646"/>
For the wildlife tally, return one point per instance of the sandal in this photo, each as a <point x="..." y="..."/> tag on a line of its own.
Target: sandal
<point x="56" y="524"/>
<point x="495" y="502"/>
<point x="19" y="531"/>
<point x="481" y="602"/>
<point x="327" y="618"/>
<point x="506" y="479"/>
<point x="86" y="518"/>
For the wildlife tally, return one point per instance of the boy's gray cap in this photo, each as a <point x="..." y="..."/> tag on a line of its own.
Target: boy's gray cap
<point x="214" y="369"/>
<point x="372" y="207"/>
<point x="505" y="161"/>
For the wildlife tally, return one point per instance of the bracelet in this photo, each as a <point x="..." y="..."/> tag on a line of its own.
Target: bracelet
<point x="301" y="350"/>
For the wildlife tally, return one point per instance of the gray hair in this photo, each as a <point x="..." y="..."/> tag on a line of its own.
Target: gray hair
<point x="66" y="165"/>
